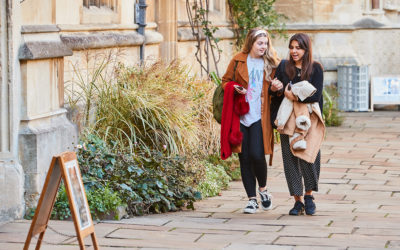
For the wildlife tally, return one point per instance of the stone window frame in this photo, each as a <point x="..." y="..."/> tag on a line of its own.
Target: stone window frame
<point x="369" y="5"/>
<point x="383" y="6"/>
<point x="100" y="11"/>
<point x="216" y="5"/>
<point x="217" y="9"/>
<point x="111" y="4"/>
<point x="391" y="5"/>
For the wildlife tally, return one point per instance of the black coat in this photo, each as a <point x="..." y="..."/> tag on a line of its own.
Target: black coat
<point x="316" y="79"/>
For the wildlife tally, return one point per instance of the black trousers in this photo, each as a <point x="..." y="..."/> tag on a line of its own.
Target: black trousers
<point x="297" y="169"/>
<point x="252" y="158"/>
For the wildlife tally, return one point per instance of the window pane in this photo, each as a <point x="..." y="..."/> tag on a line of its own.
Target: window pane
<point x="112" y="4"/>
<point x="375" y="4"/>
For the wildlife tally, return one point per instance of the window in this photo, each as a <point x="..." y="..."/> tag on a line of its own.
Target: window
<point x="373" y="5"/>
<point x="101" y="11"/>
<point x="112" y="4"/>
<point x="215" y="5"/>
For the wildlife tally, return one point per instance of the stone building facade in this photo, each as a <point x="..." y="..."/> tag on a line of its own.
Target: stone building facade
<point x="42" y="42"/>
<point x="363" y="32"/>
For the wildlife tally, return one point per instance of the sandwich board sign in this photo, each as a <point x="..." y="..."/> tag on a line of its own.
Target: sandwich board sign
<point x="64" y="166"/>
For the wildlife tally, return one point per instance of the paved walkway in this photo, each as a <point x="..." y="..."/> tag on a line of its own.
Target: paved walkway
<point x="358" y="205"/>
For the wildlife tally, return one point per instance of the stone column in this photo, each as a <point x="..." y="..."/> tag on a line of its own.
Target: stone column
<point x="11" y="173"/>
<point x="166" y="17"/>
<point x="44" y="129"/>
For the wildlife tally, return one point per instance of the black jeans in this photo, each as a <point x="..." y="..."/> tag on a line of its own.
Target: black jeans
<point x="252" y="158"/>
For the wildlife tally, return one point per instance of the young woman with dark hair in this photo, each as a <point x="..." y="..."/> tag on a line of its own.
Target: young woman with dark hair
<point x="299" y="67"/>
<point x="252" y="68"/>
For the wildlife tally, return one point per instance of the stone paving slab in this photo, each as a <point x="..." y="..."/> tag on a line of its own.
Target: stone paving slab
<point x="358" y="205"/>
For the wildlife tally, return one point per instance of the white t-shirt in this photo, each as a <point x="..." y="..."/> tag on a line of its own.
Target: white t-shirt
<point x="255" y="67"/>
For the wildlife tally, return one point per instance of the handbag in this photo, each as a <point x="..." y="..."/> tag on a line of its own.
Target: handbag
<point x="218" y="99"/>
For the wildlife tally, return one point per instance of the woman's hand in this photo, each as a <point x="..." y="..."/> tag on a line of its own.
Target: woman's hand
<point x="240" y="89"/>
<point x="289" y="94"/>
<point x="276" y="85"/>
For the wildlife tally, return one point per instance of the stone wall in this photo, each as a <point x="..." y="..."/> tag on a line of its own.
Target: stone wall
<point x="346" y="32"/>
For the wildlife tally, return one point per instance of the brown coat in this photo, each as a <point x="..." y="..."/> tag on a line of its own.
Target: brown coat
<point x="242" y="77"/>
<point x="315" y="134"/>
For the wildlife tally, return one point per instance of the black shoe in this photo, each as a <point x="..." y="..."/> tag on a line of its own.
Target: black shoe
<point x="297" y="209"/>
<point x="309" y="204"/>
<point x="266" y="202"/>
<point x="251" y="207"/>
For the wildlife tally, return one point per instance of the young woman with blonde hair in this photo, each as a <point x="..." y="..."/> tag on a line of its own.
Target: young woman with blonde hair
<point x="253" y="68"/>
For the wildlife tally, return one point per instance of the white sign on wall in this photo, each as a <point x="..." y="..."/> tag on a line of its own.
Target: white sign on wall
<point x="385" y="90"/>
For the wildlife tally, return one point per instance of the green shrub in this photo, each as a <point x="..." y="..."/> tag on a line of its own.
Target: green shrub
<point x="158" y="107"/>
<point x="146" y="133"/>
<point x="145" y="182"/>
<point x="61" y="209"/>
<point x="103" y="201"/>
<point x="331" y="113"/>
<point x="231" y="165"/>
<point x="215" y="180"/>
<point x="235" y="174"/>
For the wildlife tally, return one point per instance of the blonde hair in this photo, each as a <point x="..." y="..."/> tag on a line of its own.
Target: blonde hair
<point x="271" y="60"/>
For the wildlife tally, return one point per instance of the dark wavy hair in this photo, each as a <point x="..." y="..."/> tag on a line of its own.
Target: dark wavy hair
<point x="307" y="60"/>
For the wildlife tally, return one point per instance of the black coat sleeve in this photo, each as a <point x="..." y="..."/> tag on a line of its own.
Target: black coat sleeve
<point x="317" y="80"/>
<point x="278" y="75"/>
<point x="277" y="97"/>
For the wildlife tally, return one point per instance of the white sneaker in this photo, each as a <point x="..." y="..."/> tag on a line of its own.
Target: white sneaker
<point x="266" y="202"/>
<point x="251" y="207"/>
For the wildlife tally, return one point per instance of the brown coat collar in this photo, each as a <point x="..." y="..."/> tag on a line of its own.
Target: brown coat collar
<point x="242" y="70"/>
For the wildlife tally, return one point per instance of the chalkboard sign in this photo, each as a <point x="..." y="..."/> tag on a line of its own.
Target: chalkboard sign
<point x="385" y="90"/>
<point x="65" y="167"/>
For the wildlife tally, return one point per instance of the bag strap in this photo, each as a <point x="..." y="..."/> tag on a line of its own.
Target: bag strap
<point x="234" y="70"/>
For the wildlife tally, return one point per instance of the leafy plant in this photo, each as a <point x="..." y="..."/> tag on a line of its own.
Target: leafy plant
<point x="61" y="208"/>
<point x="230" y="165"/>
<point x="29" y="213"/>
<point x="83" y="87"/>
<point x="214" y="77"/>
<point x="103" y="201"/>
<point x="146" y="182"/>
<point x="215" y="180"/>
<point x="331" y="112"/>
<point x="248" y="14"/>
<point x="235" y="174"/>
<point x="149" y="130"/>
<point x="158" y="107"/>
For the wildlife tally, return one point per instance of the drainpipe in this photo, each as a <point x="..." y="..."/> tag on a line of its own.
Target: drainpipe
<point x="141" y="21"/>
<point x="4" y="105"/>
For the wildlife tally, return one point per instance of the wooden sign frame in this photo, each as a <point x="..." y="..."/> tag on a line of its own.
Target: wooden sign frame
<point x="65" y="167"/>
